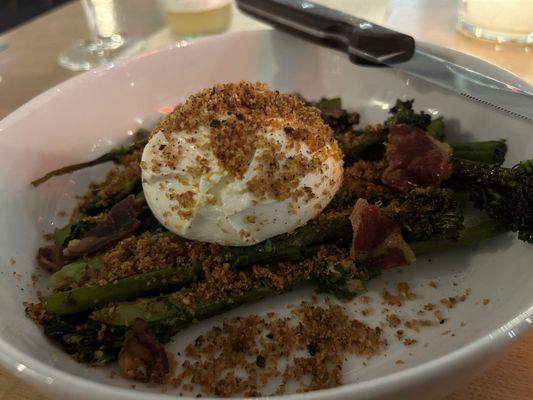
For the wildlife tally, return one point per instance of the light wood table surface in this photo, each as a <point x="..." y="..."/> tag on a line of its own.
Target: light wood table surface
<point x="28" y="67"/>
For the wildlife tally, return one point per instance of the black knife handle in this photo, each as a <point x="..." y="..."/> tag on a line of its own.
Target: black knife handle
<point x="365" y="42"/>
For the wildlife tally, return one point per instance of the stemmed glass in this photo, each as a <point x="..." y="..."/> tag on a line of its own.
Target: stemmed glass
<point x="106" y="41"/>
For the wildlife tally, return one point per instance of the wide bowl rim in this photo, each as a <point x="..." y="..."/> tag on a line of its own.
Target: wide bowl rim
<point x="27" y="367"/>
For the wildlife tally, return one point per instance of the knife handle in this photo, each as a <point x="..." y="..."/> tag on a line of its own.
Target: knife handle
<point x="365" y="42"/>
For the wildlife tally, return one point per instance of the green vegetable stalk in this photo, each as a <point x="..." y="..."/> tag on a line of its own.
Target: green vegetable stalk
<point x="505" y="194"/>
<point x="73" y="272"/>
<point x="89" y="297"/>
<point x="115" y="155"/>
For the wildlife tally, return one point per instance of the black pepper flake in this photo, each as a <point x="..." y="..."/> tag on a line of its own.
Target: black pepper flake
<point x="313" y="348"/>
<point x="162" y="147"/>
<point x="270" y="336"/>
<point x="260" y="361"/>
<point x="288" y="130"/>
<point x="199" y="341"/>
<point x="215" y="123"/>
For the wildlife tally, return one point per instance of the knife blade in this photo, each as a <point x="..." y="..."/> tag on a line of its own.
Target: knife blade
<point x="367" y="43"/>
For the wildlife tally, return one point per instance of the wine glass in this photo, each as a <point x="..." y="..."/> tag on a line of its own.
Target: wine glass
<point x="106" y="42"/>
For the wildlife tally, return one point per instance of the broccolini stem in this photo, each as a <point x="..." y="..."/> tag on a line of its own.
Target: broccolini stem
<point x="71" y="231"/>
<point x="477" y="229"/>
<point x="503" y="193"/>
<point x="73" y="272"/>
<point x="114" y="155"/>
<point x="489" y="152"/>
<point x="99" y="204"/>
<point x="89" y="297"/>
<point x="168" y="313"/>
<point x="294" y="246"/>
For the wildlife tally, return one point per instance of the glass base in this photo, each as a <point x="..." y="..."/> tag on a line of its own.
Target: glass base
<point x="494" y="36"/>
<point x="84" y="55"/>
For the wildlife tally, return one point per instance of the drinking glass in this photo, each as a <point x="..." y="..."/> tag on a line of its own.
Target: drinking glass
<point x="497" y="20"/>
<point x="106" y="40"/>
<point x="192" y="18"/>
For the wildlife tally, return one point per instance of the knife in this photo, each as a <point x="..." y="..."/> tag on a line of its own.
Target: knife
<point x="369" y="44"/>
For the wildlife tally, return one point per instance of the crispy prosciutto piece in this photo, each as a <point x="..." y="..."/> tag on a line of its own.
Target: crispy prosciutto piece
<point x="377" y="238"/>
<point x="120" y="222"/>
<point x="142" y="357"/>
<point x="415" y="159"/>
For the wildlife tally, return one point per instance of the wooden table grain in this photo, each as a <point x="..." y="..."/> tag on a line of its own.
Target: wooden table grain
<point x="28" y="67"/>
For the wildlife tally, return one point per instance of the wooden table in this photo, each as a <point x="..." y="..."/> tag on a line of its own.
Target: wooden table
<point x="28" y="67"/>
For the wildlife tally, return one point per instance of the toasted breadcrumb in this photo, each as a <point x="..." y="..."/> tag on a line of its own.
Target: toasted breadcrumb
<point x="362" y="179"/>
<point x="416" y="324"/>
<point x="141" y="254"/>
<point x="404" y="293"/>
<point x="113" y="183"/>
<point x="37" y="313"/>
<point x="367" y="311"/>
<point x="238" y="116"/>
<point x="451" y="302"/>
<point x="222" y="280"/>
<point x="239" y="358"/>
<point x="393" y="320"/>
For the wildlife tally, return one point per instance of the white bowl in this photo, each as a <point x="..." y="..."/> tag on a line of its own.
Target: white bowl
<point x="93" y="112"/>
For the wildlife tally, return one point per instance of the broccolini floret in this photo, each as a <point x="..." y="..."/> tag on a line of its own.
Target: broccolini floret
<point x="503" y="193"/>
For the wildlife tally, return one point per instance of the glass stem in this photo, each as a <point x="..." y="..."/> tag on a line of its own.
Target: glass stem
<point x="102" y="21"/>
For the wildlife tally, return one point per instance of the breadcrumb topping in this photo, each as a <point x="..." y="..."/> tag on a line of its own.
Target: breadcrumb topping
<point x="129" y="171"/>
<point x="362" y="180"/>
<point x="222" y="280"/>
<point x="404" y="293"/>
<point x="245" y="354"/>
<point x="142" y="254"/>
<point x="240" y="116"/>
